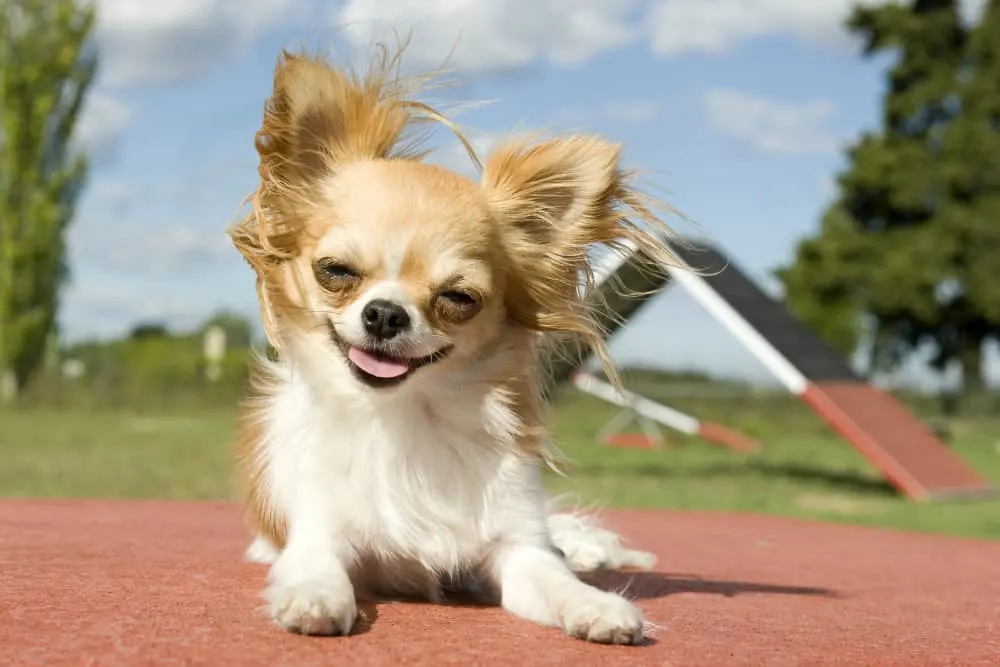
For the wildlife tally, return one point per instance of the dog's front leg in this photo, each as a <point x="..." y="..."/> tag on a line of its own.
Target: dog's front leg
<point x="309" y="590"/>
<point x="537" y="585"/>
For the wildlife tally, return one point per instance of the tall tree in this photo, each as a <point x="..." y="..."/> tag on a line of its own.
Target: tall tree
<point x="970" y="209"/>
<point x="47" y="64"/>
<point x="892" y="243"/>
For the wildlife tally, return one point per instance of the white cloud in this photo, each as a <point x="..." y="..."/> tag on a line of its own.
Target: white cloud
<point x="772" y="126"/>
<point x="156" y="43"/>
<point x="491" y="34"/>
<point x="101" y="124"/>
<point x="680" y="26"/>
<point x="720" y="26"/>
<point x="164" y="42"/>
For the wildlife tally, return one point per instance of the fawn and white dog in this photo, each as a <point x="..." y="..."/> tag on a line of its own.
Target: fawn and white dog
<point x="395" y="448"/>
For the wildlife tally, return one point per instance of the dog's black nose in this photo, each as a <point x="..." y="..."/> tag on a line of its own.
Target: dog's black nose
<point x="384" y="319"/>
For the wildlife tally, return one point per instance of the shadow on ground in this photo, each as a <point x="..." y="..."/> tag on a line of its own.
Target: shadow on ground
<point x="642" y="585"/>
<point x="635" y="585"/>
<point x="652" y="585"/>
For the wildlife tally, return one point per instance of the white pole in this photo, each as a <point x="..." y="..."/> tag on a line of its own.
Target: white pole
<point x="643" y="406"/>
<point x="773" y="360"/>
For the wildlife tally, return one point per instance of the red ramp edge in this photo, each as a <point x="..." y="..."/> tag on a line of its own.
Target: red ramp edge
<point x="908" y="453"/>
<point x="719" y="434"/>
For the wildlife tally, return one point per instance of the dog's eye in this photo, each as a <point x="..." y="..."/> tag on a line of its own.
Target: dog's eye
<point x="334" y="276"/>
<point x="460" y="299"/>
<point x="333" y="269"/>
<point x="456" y="306"/>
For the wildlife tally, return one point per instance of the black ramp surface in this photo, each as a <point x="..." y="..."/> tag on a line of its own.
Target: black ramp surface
<point x="812" y="356"/>
<point x="621" y="297"/>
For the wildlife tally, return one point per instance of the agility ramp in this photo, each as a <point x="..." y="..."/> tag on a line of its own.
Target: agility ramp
<point x="900" y="445"/>
<point x="623" y="284"/>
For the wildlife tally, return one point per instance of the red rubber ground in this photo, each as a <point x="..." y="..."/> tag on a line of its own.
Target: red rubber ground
<point x="156" y="583"/>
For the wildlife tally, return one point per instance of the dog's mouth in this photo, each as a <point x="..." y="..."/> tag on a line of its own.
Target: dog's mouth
<point x="377" y="368"/>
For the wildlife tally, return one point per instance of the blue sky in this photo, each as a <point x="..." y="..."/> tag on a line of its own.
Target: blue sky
<point x="739" y="110"/>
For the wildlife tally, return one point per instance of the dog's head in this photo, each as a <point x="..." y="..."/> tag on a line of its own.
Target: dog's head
<point x="392" y="266"/>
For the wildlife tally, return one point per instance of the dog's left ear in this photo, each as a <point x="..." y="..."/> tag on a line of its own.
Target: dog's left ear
<point x="556" y="188"/>
<point x="555" y="200"/>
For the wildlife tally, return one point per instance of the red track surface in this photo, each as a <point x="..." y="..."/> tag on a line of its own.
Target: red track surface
<point x="156" y="583"/>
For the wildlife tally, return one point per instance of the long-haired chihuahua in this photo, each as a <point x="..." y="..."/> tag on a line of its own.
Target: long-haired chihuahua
<point x="395" y="446"/>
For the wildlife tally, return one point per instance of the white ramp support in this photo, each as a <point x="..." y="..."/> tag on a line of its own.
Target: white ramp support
<point x="661" y="414"/>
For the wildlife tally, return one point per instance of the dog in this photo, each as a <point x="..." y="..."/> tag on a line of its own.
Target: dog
<point x="395" y="446"/>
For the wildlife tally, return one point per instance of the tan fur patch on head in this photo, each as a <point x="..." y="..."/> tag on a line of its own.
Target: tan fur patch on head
<point x="423" y="228"/>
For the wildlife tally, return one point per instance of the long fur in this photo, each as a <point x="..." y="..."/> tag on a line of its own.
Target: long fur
<point x="434" y="484"/>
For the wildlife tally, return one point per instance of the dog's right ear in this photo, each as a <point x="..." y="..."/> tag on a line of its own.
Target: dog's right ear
<point x="318" y="117"/>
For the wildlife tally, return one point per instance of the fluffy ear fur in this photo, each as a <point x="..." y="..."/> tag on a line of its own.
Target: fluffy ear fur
<point x="557" y="200"/>
<point x="318" y="117"/>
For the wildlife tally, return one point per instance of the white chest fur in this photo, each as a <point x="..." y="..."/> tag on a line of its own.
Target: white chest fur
<point x="432" y="477"/>
<point x="398" y="499"/>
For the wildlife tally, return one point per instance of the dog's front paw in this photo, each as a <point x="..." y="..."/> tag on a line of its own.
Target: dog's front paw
<point x="604" y="618"/>
<point x="313" y="608"/>
<point x="587" y="547"/>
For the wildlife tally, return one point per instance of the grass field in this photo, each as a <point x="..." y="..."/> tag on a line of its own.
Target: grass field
<point x="803" y="470"/>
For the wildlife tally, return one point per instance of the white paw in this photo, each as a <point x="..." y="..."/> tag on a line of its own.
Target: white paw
<point x="587" y="547"/>
<point x="313" y="607"/>
<point x="590" y="558"/>
<point x="604" y="618"/>
<point x="260" y="551"/>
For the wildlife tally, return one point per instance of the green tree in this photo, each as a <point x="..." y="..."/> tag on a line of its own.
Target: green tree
<point x="145" y="330"/>
<point x="970" y="165"/>
<point x="901" y="247"/>
<point x="47" y="64"/>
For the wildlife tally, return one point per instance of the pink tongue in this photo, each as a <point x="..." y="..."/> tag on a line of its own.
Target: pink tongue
<point x="380" y="367"/>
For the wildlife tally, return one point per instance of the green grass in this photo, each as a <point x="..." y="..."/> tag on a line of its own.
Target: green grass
<point x="803" y="469"/>
<point x="116" y="454"/>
